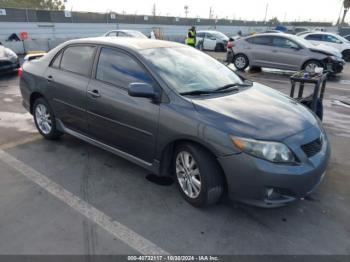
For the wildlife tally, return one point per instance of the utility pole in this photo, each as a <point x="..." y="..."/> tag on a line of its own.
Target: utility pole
<point x="186" y="10"/>
<point x="266" y="9"/>
<point x="154" y="10"/>
<point x="210" y="13"/>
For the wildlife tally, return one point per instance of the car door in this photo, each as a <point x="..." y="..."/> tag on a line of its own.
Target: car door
<point x="260" y="50"/>
<point x="286" y="54"/>
<point x="68" y="76"/>
<point x="209" y="42"/>
<point x="127" y="123"/>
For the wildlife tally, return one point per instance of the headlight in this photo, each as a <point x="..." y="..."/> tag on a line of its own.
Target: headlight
<point x="271" y="151"/>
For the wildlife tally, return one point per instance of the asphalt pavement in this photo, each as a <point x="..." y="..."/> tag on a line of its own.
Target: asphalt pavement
<point x="68" y="197"/>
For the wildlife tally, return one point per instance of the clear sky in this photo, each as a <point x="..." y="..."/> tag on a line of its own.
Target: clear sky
<point x="290" y="10"/>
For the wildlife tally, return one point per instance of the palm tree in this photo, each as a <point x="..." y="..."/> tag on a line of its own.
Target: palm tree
<point x="346" y="4"/>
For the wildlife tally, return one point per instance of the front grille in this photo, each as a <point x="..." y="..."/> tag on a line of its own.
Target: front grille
<point x="313" y="147"/>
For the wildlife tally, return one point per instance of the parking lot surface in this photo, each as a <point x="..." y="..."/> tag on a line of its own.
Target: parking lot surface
<point x="68" y="197"/>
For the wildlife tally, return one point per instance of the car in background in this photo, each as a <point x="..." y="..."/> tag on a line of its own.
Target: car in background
<point x="347" y="37"/>
<point x="330" y="39"/>
<point x="199" y="122"/>
<point x="125" y="33"/>
<point x="282" y="51"/>
<point x="212" y="41"/>
<point x="8" y="59"/>
<point x="33" y="55"/>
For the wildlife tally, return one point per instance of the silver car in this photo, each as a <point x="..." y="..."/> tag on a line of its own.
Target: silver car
<point x="125" y="33"/>
<point x="282" y="51"/>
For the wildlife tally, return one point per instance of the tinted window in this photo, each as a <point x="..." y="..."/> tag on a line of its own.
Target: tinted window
<point x="200" y="35"/>
<point x="78" y="59"/>
<point x="56" y="62"/>
<point x="118" y="68"/>
<point x="332" y="39"/>
<point x="112" y="34"/>
<point x="314" y="37"/>
<point x="283" y="42"/>
<point x="260" y="40"/>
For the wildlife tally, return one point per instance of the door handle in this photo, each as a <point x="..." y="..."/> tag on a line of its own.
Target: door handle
<point x="274" y="51"/>
<point x="49" y="78"/>
<point x="94" y="93"/>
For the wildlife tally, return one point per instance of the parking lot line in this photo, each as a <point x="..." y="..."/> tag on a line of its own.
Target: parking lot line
<point x="125" y="234"/>
<point x="20" y="142"/>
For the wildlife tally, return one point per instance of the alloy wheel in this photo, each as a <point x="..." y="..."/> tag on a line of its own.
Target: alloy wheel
<point x="187" y="172"/>
<point x="43" y="119"/>
<point x="240" y="62"/>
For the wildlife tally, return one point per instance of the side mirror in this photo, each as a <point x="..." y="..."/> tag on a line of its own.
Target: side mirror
<point x="231" y="39"/>
<point x="142" y="90"/>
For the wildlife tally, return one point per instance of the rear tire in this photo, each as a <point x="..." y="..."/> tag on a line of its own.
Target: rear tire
<point x="45" y="120"/>
<point x="241" y="62"/>
<point x="346" y="55"/>
<point x="198" y="175"/>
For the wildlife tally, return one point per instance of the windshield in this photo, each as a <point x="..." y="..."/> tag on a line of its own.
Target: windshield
<point x="136" y="34"/>
<point x="342" y="39"/>
<point x="219" y="35"/>
<point x="186" y="69"/>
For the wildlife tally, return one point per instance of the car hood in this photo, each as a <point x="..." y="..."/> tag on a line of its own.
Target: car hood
<point x="257" y="112"/>
<point x="327" y="50"/>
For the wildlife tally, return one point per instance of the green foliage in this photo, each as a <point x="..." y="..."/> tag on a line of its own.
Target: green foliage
<point x="34" y="4"/>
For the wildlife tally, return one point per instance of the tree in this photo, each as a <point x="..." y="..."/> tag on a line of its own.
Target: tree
<point x="34" y="4"/>
<point x="346" y="4"/>
<point x="274" y="21"/>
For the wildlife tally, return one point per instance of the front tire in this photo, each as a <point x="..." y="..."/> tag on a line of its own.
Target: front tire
<point x="310" y="66"/>
<point x="241" y="62"/>
<point x="45" y="120"/>
<point x="198" y="175"/>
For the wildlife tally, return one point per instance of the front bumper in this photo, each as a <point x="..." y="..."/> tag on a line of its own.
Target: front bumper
<point x="335" y="66"/>
<point x="250" y="178"/>
<point x="8" y="65"/>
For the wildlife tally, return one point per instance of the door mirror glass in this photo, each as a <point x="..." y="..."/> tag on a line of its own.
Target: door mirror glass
<point x="142" y="90"/>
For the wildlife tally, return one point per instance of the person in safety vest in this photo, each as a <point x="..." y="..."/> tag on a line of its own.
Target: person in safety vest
<point x="191" y="36"/>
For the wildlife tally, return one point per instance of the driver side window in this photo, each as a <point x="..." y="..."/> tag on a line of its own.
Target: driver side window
<point x="283" y="43"/>
<point x="332" y="39"/>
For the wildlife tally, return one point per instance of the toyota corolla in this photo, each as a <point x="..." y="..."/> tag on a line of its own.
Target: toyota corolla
<point x="178" y="112"/>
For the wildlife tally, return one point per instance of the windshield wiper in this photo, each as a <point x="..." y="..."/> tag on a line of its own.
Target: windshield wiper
<point x="196" y="92"/>
<point x="232" y="85"/>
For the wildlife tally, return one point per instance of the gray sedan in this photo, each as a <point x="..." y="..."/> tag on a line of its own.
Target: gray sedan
<point x="283" y="51"/>
<point x="212" y="131"/>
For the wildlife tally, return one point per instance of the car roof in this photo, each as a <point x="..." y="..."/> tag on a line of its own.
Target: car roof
<point x="133" y="43"/>
<point x="122" y="30"/>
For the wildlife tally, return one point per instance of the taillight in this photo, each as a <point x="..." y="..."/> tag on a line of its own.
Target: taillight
<point x="20" y="72"/>
<point x="230" y="44"/>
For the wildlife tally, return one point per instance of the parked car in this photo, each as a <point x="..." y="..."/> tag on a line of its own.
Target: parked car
<point x="337" y="41"/>
<point x="8" y="59"/>
<point x="210" y="129"/>
<point x="282" y="51"/>
<point x="33" y="55"/>
<point x="212" y="41"/>
<point x="125" y="33"/>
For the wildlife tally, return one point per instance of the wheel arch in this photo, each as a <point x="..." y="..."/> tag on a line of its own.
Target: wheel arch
<point x="167" y="154"/>
<point x="34" y="96"/>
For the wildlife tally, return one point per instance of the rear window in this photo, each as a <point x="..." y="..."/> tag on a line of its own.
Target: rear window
<point x="78" y="59"/>
<point x="314" y="37"/>
<point x="260" y="40"/>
